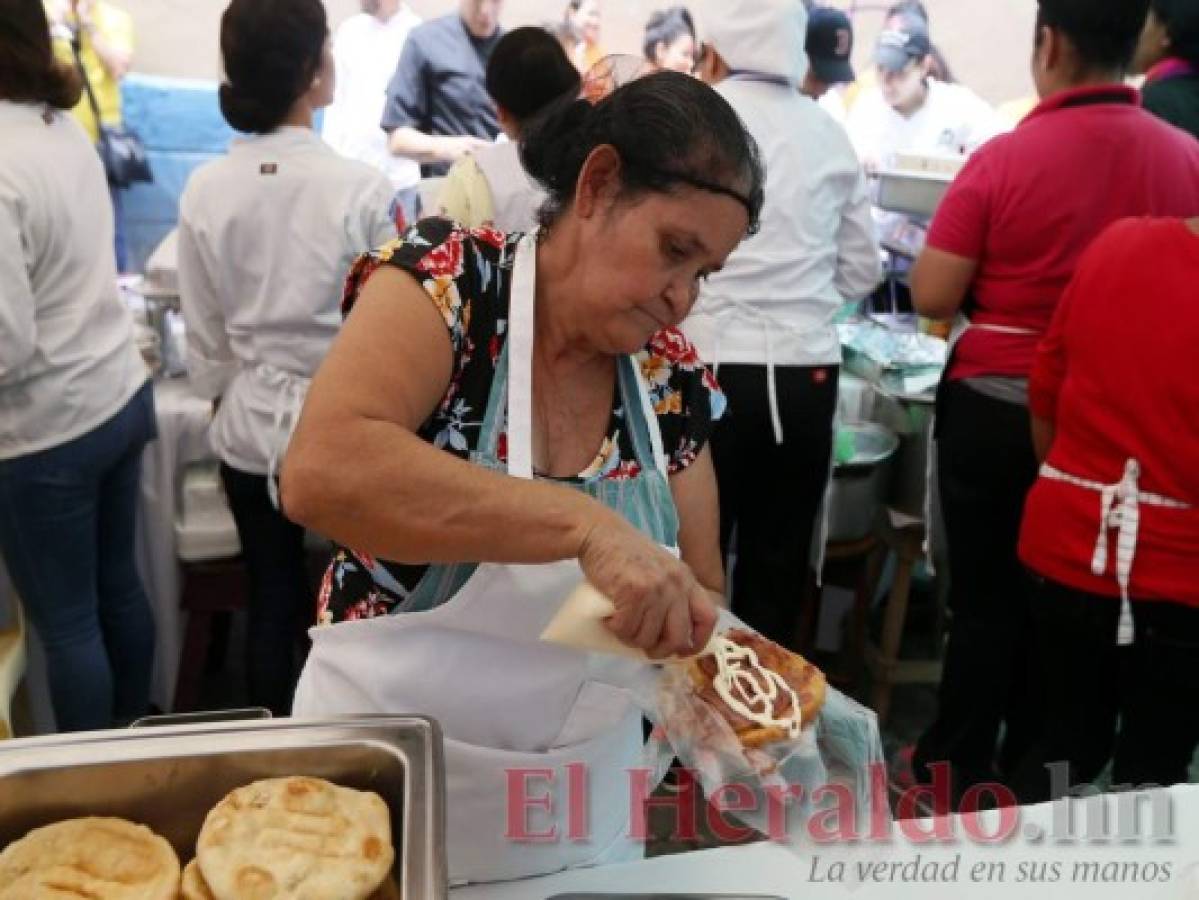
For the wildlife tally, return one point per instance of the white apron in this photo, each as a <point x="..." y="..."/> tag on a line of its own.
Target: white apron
<point x="506" y="701"/>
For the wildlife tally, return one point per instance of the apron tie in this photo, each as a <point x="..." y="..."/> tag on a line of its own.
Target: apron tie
<point x="1119" y="511"/>
<point x="292" y="391"/>
<point x="772" y="389"/>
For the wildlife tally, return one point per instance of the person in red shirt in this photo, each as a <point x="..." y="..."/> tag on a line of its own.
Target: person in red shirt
<point x="1001" y="250"/>
<point x="1111" y="527"/>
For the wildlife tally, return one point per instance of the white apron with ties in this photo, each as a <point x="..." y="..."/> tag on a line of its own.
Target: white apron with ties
<point x="507" y="702"/>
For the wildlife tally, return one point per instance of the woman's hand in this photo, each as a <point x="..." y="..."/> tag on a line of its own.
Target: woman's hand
<point x="660" y="606"/>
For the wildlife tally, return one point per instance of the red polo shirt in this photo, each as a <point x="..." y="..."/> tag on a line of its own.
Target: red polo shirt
<point x="1117" y="375"/>
<point x="1028" y="203"/>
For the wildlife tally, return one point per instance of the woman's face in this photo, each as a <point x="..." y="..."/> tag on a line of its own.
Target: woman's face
<point x="666" y="245"/>
<point x="1154" y="45"/>
<point x="678" y="55"/>
<point x="586" y="21"/>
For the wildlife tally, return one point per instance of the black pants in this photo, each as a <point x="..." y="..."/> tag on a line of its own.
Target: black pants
<point x="281" y="601"/>
<point x="770" y="492"/>
<point x="986" y="467"/>
<point x="1150" y="688"/>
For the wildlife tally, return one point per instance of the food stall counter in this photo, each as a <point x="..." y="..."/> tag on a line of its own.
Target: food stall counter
<point x="1111" y="847"/>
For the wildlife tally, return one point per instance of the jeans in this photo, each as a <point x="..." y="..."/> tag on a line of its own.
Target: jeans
<point x="986" y="467"/>
<point x="772" y="492"/>
<point x="281" y="601"/>
<point x="67" y="533"/>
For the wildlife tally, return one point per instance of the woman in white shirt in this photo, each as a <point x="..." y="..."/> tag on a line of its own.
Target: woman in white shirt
<point x="528" y="70"/>
<point x="76" y="406"/>
<point x="266" y="237"/>
<point x="766" y="319"/>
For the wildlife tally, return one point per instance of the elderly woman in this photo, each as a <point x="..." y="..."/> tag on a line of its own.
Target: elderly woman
<point x="504" y="416"/>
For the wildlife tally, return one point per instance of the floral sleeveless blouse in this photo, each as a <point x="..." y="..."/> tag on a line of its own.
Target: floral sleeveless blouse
<point x="468" y="277"/>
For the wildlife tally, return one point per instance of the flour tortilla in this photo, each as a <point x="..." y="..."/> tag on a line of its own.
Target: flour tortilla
<point x="105" y="858"/>
<point x="296" y="838"/>
<point x="194" y="885"/>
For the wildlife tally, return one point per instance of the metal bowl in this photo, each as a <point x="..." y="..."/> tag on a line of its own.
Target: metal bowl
<point x="860" y="483"/>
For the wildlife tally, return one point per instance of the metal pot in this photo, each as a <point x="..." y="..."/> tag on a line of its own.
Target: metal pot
<point x="860" y="484"/>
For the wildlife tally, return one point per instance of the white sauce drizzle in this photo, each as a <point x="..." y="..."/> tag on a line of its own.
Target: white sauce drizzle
<point x="744" y="683"/>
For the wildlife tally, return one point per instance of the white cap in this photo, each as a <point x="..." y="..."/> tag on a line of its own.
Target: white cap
<point x="761" y="36"/>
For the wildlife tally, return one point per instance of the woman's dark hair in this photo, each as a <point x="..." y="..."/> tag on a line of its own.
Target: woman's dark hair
<point x="272" y="51"/>
<point x="665" y="27"/>
<point x="528" y="71"/>
<point x="1103" y="32"/>
<point x="1181" y="18"/>
<point x="698" y="141"/>
<point x="29" y="71"/>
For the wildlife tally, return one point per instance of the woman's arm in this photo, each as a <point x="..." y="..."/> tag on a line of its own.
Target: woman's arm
<point x="357" y="472"/>
<point x="1043" y="433"/>
<point x="940" y="282"/>
<point x="211" y="365"/>
<point x="18" y="319"/>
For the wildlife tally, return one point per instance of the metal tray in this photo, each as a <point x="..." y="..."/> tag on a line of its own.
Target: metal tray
<point x="170" y="777"/>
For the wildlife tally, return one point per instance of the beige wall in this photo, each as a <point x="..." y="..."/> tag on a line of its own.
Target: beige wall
<point x="986" y="41"/>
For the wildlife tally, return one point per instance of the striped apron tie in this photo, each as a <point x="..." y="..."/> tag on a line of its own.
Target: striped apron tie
<point x="1120" y="512"/>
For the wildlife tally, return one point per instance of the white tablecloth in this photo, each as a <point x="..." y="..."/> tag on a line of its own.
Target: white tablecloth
<point x="981" y="872"/>
<point x="182" y="438"/>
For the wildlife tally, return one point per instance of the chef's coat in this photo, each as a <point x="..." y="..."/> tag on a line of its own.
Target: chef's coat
<point x="266" y="237"/>
<point x="68" y="362"/>
<point x="775" y="299"/>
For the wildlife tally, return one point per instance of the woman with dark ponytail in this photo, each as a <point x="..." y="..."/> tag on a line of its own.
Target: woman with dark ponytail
<point x="503" y="415"/>
<point x="266" y="236"/>
<point x="76" y="406"/>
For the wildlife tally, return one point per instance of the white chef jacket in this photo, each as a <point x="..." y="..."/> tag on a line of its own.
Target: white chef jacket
<point x="953" y="119"/>
<point x="775" y="299"/>
<point x="68" y="361"/>
<point x="266" y="237"/>
<point x="367" y="52"/>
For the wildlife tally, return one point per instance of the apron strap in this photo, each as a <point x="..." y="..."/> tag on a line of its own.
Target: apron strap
<point x="521" y="314"/>
<point x="640" y="415"/>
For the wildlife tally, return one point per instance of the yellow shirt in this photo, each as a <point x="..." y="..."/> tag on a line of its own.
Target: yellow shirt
<point x="115" y="28"/>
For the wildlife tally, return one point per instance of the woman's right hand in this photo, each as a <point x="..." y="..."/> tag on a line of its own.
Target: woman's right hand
<point x="660" y="606"/>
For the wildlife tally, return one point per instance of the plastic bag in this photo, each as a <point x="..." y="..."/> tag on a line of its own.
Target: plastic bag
<point x="828" y="784"/>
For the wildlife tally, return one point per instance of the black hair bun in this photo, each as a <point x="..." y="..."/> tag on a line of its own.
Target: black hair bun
<point x="244" y="112"/>
<point x="549" y="149"/>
